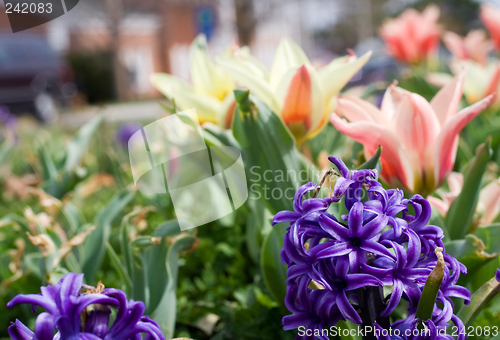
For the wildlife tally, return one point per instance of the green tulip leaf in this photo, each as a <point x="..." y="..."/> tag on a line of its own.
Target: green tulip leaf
<point x="165" y="312"/>
<point x="95" y="244"/>
<point x="479" y="300"/>
<point x="80" y="142"/>
<point x="461" y="212"/>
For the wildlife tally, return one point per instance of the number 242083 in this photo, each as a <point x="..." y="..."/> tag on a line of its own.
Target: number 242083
<point x="28" y="8"/>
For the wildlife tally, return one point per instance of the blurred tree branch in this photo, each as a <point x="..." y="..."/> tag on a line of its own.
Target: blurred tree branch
<point x="115" y="13"/>
<point x="245" y="21"/>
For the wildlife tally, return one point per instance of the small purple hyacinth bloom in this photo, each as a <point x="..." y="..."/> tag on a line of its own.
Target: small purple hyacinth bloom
<point x="7" y="118"/>
<point x="64" y="305"/>
<point x="383" y="240"/>
<point x="125" y="131"/>
<point x="497" y="274"/>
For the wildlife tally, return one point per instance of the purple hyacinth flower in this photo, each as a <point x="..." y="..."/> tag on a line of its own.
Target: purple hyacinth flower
<point x="497" y="275"/>
<point x="125" y="131"/>
<point x="384" y="239"/>
<point x="64" y="305"/>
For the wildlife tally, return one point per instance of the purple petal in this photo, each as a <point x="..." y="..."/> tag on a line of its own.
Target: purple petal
<point x="71" y="285"/>
<point x="458" y="292"/>
<point x="343" y="169"/>
<point x="356" y="218"/>
<point x="286" y="216"/>
<point x="342" y="267"/>
<point x="333" y="228"/>
<point x="341" y="186"/>
<point x="88" y="336"/>
<point x="376" y="248"/>
<point x="44" y="327"/>
<point x="339" y="249"/>
<point x="297" y="200"/>
<point x="397" y="292"/>
<point x="18" y="331"/>
<point x="355" y="281"/>
<point x="34" y="299"/>
<point x="347" y="309"/>
<point x="374" y="227"/>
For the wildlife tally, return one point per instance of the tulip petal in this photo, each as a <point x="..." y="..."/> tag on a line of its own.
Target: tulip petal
<point x="440" y="205"/>
<point x="207" y="107"/>
<point x="288" y="55"/>
<point x="247" y="60"/>
<point x="447" y="141"/>
<point x="393" y="97"/>
<point x="396" y="167"/>
<point x="445" y="102"/>
<point x="489" y="202"/>
<point x="256" y="84"/>
<point x="455" y="44"/>
<point x="455" y="182"/>
<point x="334" y="76"/>
<point x="206" y="76"/>
<point x="438" y="79"/>
<point x="489" y="15"/>
<point x="356" y="110"/>
<point x="301" y="99"/>
<point x="416" y="126"/>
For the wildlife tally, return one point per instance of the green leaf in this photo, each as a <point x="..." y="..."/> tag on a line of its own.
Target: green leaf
<point x="478" y="301"/>
<point x="49" y="170"/>
<point x="215" y="135"/>
<point x="461" y="212"/>
<point x="95" y="244"/>
<point x="119" y="267"/>
<point x="257" y="227"/>
<point x="347" y="325"/>
<point x="429" y="294"/>
<point x="373" y="163"/>
<point x="490" y="235"/>
<point x="72" y="217"/>
<point x="77" y="146"/>
<point x="155" y="259"/>
<point x="5" y="151"/>
<point x="276" y="168"/>
<point x="470" y="251"/>
<point x="273" y="270"/>
<point x="165" y="312"/>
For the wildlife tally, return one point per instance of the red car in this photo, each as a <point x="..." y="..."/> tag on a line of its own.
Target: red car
<point x="33" y="78"/>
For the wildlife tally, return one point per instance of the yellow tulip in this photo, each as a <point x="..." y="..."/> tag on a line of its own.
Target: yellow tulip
<point x="211" y="90"/>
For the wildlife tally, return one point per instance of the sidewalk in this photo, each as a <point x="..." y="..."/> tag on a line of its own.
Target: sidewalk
<point x="134" y="111"/>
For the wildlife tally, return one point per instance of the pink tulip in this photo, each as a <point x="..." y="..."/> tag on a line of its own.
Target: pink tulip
<point x="488" y="206"/>
<point x="475" y="46"/>
<point x="412" y="36"/>
<point x="490" y="15"/>
<point x="419" y="139"/>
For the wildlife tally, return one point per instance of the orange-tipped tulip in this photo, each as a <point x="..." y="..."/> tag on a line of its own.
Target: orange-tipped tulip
<point x="301" y="95"/>
<point x="419" y="139"/>
<point x="474" y="46"/>
<point x="412" y="37"/>
<point x="490" y="15"/>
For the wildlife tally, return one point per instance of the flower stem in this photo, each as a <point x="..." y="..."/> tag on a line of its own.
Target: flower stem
<point x="371" y="303"/>
<point x="327" y="174"/>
